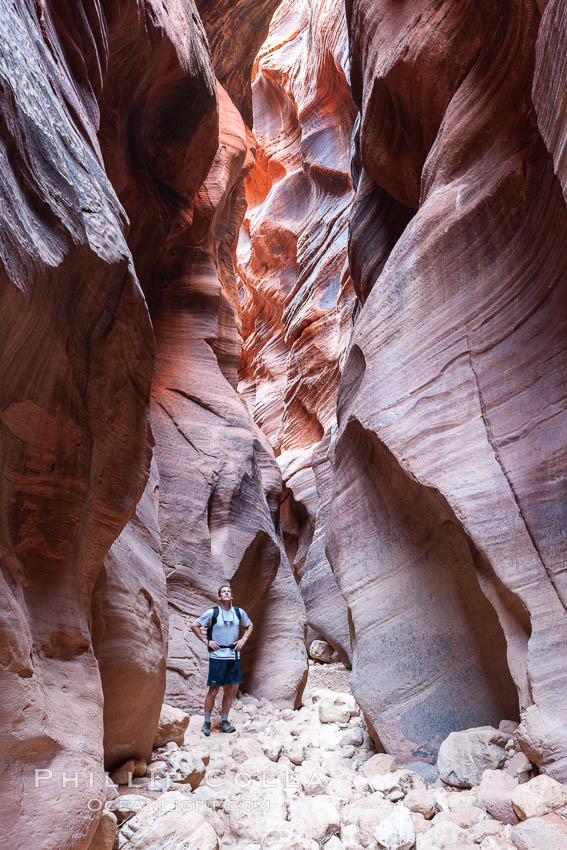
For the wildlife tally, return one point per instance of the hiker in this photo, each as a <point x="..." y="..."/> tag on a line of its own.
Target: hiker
<point x="222" y="624"/>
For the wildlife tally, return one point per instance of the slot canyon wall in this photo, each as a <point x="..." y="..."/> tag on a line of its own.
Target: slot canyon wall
<point x="122" y="164"/>
<point x="438" y="500"/>
<point x="450" y="457"/>
<point x="297" y="295"/>
<point x="236" y="346"/>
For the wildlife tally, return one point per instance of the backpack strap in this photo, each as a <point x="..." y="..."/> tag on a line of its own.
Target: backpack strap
<point x="238" y="614"/>
<point x="214" y="618"/>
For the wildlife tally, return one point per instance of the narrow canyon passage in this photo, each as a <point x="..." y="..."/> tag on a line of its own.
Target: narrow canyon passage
<point x="282" y="304"/>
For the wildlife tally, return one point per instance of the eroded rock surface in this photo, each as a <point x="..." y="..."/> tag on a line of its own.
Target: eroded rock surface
<point x="109" y="109"/>
<point x="449" y="466"/>
<point x="296" y="291"/>
<point x="76" y="348"/>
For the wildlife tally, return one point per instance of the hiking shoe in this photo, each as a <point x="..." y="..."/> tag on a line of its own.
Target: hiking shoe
<point x="226" y="726"/>
<point x="206" y="729"/>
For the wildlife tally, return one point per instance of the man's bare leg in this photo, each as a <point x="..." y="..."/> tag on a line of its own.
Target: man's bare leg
<point x="227" y="698"/>
<point x="209" y="705"/>
<point x="210" y="699"/>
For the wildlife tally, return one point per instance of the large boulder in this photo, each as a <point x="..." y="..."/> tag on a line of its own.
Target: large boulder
<point x="321" y="651"/>
<point x="172" y="725"/>
<point x="169" y="821"/>
<point x="495" y="795"/>
<point x="541" y="833"/>
<point x="539" y="796"/>
<point x="464" y="756"/>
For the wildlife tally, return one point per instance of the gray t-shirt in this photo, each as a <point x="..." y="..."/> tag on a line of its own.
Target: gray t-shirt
<point x="225" y="630"/>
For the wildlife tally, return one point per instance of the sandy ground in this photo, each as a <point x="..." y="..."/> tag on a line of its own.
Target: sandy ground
<point x="334" y="677"/>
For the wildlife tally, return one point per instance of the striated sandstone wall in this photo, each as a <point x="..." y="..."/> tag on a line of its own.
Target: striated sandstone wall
<point x="450" y="460"/>
<point x="179" y="151"/>
<point x="219" y="483"/>
<point x="76" y="348"/>
<point x="108" y="109"/>
<point x="296" y="292"/>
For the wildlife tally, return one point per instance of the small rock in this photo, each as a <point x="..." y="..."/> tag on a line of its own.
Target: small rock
<point x="295" y="753"/>
<point x="124" y="774"/>
<point x="508" y="726"/>
<point x="245" y="748"/>
<point x="444" y="836"/>
<point x="420" y="824"/>
<point x="336" y="707"/>
<point x="272" y="749"/>
<point x="379" y="763"/>
<point x="105" y="834"/>
<point x="110" y="788"/>
<point x="168" y="821"/>
<point x="388" y="784"/>
<point x="464" y="756"/>
<point x="363" y="816"/>
<point x="186" y="767"/>
<point x="127" y="805"/>
<point x="494" y="842"/>
<point x="486" y="828"/>
<point x="321" y="651"/>
<point x="158" y="769"/>
<point x="465" y="817"/>
<point x="428" y="772"/>
<point x="353" y="737"/>
<point x="421" y="801"/>
<point x="171" y="726"/>
<point x="315" y="817"/>
<point x="520" y="767"/>
<point x="538" y="797"/>
<point x="396" y="832"/>
<point x="495" y="795"/>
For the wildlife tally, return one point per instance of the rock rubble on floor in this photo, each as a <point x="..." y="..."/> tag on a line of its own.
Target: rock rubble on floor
<point x="307" y="779"/>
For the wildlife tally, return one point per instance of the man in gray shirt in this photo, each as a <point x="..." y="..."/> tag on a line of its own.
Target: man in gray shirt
<point x="224" y="647"/>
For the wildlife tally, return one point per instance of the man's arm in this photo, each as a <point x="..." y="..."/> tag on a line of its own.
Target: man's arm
<point x="197" y="630"/>
<point x="240" y="643"/>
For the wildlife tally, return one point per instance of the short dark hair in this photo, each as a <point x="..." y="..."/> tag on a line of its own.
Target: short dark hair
<point x="221" y="587"/>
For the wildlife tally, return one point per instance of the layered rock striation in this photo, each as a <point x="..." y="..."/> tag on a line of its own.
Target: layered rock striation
<point x="446" y="532"/>
<point x="118" y="205"/>
<point x="296" y="291"/>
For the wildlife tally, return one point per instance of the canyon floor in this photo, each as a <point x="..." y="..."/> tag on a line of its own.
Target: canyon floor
<point x="311" y="778"/>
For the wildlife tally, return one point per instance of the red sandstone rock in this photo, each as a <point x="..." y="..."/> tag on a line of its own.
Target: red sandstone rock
<point x="219" y="482"/>
<point x="297" y="295"/>
<point x="549" y="90"/>
<point x="130" y="627"/>
<point x="77" y="357"/>
<point x="236" y="29"/>
<point x="449" y="470"/>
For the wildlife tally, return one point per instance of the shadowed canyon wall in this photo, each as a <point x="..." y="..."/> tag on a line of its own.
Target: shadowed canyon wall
<point x="107" y="109"/>
<point x="451" y="418"/>
<point x="438" y="500"/>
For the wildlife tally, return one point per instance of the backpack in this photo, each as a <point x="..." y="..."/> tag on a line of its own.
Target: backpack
<point x="215" y="617"/>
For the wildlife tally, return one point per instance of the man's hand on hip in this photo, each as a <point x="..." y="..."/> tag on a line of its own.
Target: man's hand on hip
<point x="239" y="644"/>
<point x="212" y="644"/>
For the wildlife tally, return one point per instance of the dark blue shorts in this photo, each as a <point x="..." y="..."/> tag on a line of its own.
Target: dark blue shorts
<point x="224" y="671"/>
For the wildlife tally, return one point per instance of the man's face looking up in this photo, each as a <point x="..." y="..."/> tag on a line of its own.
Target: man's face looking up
<point x="225" y="594"/>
